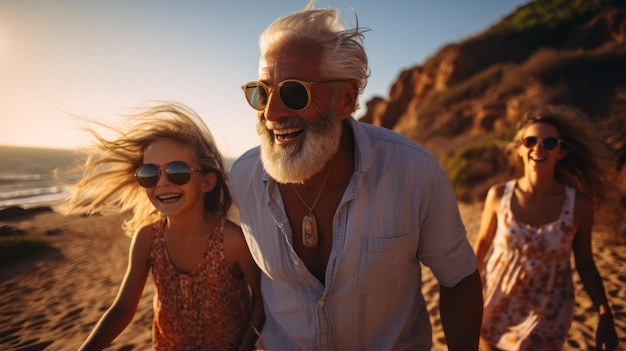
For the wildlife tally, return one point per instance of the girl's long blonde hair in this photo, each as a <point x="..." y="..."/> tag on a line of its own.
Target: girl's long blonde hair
<point x="107" y="183"/>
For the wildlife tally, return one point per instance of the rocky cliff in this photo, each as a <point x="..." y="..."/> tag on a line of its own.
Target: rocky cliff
<point x="465" y="99"/>
<point x="477" y="89"/>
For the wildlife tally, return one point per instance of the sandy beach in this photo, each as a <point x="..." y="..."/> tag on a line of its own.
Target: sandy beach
<point x="53" y="301"/>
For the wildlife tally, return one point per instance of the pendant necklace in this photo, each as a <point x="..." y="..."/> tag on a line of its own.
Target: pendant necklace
<point x="309" y="223"/>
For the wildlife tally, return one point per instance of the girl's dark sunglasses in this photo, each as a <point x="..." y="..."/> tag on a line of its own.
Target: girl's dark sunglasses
<point x="177" y="172"/>
<point x="549" y="143"/>
<point x="295" y="94"/>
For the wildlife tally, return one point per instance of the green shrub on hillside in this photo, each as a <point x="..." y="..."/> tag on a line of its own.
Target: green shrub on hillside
<point x="552" y="13"/>
<point x="472" y="165"/>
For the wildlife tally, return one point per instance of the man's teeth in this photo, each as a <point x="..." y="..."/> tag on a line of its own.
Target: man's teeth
<point x="283" y="132"/>
<point x="286" y="133"/>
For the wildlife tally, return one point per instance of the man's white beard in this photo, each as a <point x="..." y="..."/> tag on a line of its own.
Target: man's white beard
<point x="297" y="163"/>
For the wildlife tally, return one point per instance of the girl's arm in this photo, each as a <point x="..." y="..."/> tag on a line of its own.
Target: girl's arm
<point x="238" y="250"/>
<point x="121" y="312"/>
<point x="488" y="224"/>
<point x="589" y="275"/>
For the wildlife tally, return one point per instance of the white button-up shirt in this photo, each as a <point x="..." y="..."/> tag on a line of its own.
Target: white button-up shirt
<point x="398" y="210"/>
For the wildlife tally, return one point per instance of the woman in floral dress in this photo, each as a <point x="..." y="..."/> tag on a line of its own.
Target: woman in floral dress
<point x="529" y="228"/>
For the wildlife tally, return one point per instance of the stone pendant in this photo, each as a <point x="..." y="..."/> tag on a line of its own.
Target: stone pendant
<point x="309" y="230"/>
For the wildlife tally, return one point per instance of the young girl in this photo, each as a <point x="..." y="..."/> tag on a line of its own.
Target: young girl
<point x="533" y="224"/>
<point x="168" y="170"/>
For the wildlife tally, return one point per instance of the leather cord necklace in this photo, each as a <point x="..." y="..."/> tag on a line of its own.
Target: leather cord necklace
<point x="309" y="222"/>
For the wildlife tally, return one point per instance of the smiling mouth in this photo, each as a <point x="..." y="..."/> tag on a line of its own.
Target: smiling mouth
<point x="537" y="158"/>
<point x="287" y="133"/>
<point x="169" y="197"/>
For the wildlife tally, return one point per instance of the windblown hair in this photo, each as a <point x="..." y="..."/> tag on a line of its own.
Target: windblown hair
<point x="343" y="54"/>
<point x="584" y="165"/>
<point x="107" y="183"/>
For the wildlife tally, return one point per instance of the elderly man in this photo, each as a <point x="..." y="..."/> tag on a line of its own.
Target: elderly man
<point x="339" y="214"/>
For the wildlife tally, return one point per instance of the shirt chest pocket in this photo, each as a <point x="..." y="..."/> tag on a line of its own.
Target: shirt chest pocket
<point x="381" y="258"/>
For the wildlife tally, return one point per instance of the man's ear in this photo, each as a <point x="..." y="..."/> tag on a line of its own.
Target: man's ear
<point x="208" y="182"/>
<point x="347" y="99"/>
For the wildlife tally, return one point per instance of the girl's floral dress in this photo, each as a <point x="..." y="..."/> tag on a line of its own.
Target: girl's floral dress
<point x="206" y="309"/>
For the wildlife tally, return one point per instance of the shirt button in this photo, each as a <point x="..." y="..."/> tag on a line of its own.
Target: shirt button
<point x="324" y="341"/>
<point x="296" y="262"/>
<point x="321" y="303"/>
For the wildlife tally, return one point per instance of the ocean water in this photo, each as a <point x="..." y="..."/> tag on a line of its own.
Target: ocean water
<point x="26" y="175"/>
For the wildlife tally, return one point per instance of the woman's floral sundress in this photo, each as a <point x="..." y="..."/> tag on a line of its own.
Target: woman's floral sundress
<point x="206" y="309"/>
<point x="528" y="290"/>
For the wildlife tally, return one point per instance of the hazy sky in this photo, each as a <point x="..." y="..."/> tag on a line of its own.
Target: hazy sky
<point x="102" y="58"/>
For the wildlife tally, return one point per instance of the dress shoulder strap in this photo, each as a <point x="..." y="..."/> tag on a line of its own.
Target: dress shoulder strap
<point x="570" y="201"/>
<point x="509" y="187"/>
<point x="157" y="240"/>
<point x="219" y="231"/>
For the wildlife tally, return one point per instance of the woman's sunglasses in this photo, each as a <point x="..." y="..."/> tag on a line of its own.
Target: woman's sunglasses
<point x="177" y="172"/>
<point x="549" y="143"/>
<point x="295" y="94"/>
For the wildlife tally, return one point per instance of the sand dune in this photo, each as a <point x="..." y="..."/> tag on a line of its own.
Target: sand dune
<point x="52" y="302"/>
